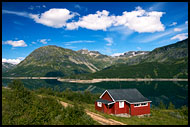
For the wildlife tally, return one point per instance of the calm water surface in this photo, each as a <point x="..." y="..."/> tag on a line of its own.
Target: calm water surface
<point x="175" y="92"/>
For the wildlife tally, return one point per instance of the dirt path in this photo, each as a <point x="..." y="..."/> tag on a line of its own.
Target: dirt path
<point x="100" y="119"/>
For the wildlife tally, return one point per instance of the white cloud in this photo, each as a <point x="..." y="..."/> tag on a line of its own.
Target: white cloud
<point x="186" y="22"/>
<point x="173" y="24"/>
<point x="33" y="42"/>
<point x="109" y="40"/>
<point x="13" y="61"/>
<point x="79" y="41"/>
<point x="19" y="43"/>
<point x="77" y="6"/>
<point x="141" y="21"/>
<point x="139" y="48"/>
<point x="55" y="18"/>
<point x="44" y="6"/>
<point x="44" y="41"/>
<point x="36" y="7"/>
<point x="24" y="14"/>
<point x="31" y="7"/>
<point x="97" y="21"/>
<point x="138" y="20"/>
<point x="177" y="29"/>
<point x="180" y="36"/>
<point x="117" y="54"/>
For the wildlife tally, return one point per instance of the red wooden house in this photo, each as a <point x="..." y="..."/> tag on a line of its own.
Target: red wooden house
<point x="119" y="101"/>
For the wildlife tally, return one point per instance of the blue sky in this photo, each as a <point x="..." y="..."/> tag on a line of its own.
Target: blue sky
<point x="111" y="28"/>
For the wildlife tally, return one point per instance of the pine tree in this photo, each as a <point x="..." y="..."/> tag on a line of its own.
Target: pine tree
<point x="171" y="106"/>
<point x="162" y="105"/>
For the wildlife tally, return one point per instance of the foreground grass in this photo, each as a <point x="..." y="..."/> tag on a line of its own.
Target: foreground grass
<point x="27" y="108"/>
<point x="22" y="106"/>
<point x="158" y="116"/>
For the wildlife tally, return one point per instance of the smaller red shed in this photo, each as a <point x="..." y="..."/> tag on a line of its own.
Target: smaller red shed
<point x="118" y="101"/>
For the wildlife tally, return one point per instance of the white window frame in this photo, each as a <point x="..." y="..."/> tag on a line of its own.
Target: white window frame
<point x="121" y="104"/>
<point x="99" y="104"/>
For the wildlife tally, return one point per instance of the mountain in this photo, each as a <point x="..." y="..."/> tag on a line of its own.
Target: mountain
<point x="133" y="53"/>
<point x="7" y="66"/>
<point x="163" y="54"/>
<point x="51" y="61"/>
<point x="170" y="61"/>
<point x="56" y="61"/>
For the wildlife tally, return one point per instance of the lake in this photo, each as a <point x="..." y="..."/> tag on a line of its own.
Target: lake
<point x="167" y="91"/>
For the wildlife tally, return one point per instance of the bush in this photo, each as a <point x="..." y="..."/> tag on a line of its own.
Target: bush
<point x="23" y="107"/>
<point x="162" y="105"/>
<point x="171" y="106"/>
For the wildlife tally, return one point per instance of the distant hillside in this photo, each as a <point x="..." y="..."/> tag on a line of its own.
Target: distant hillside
<point x="165" y="62"/>
<point x="57" y="61"/>
<point x="7" y="66"/>
<point x="163" y="54"/>
<point x="53" y="61"/>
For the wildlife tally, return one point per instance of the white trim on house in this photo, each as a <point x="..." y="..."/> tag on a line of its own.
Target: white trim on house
<point x="121" y="104"/>
<point x="99" y="104"/>
<point x="109" y="95"/>
<point x="121" y="100"/>
<point x="134" y="102"/>
<point x="111" y="103"/>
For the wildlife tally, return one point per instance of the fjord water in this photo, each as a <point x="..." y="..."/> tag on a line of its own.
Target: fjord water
<point x="167" y="91"/>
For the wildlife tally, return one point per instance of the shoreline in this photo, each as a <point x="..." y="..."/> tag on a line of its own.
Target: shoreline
<point x="98" y="80"/>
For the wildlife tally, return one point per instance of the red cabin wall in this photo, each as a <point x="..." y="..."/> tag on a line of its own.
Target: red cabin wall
<point x="140" y="110"/>
<point x="104" y="108"/>
<point x="99" y="108"/>
<point x="106" y="96"/>
<point x="118" y="110"/>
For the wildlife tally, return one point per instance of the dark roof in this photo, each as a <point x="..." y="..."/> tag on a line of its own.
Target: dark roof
<point x="103" y="101"/>
<point x="130" y="95"/>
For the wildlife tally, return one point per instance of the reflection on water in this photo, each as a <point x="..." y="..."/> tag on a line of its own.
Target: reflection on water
<point x="175" y="92"/>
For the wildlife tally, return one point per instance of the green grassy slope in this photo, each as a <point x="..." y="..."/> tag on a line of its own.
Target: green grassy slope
<point x="23" y="107"/>
<point x="177" y="69"/>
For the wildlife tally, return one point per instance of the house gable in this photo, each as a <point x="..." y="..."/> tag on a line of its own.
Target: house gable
<point x="107" y="96"/>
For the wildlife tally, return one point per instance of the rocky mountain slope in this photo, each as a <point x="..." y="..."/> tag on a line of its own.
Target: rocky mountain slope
<point x="57" y="61"/>
<point x="7" y="66"/>
<point x="170" y="61"/>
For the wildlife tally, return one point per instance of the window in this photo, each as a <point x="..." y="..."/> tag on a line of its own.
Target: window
<point x="144" y="104"/>
<point x="121" y="104"/>
<point x="99" y="104"/>
<point x="136" y="105"/>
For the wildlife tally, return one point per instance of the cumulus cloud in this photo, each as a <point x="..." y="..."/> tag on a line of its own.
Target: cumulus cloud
<point x="13" y="61"/>
<point x="186" y="22"/>
<point x="180" y="36"/>
<point x="98" y="21"/>
<point x="173" y="24"/>
<point x="19" y="43"/>
<point x="138" y="20"/>
<point x="109" y="40"/>
<point x="177" y="29"/>
<point x="117" y="54"/>
<point x="141" y="21"/>
<point x="55" y="18"/>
